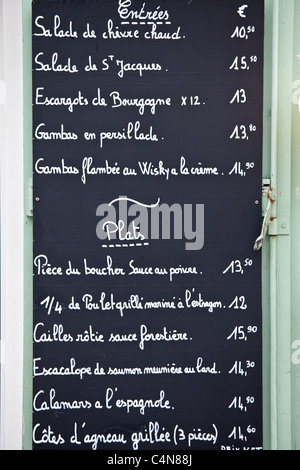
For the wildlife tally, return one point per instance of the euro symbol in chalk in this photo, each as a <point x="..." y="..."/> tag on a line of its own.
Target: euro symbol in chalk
<point x="241" y="11"/>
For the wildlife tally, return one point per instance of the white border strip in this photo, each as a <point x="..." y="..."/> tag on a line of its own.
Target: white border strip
<point x="12" y="216"/>
<point x="2" y="92"/>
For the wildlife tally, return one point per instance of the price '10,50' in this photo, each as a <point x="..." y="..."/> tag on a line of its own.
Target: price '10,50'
<point x="243" y="32"/>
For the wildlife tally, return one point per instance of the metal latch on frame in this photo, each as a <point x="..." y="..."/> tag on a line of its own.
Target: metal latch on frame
<point x="271" y="224"/>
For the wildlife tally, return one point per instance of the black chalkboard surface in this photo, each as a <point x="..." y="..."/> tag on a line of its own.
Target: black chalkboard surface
<point x="147" y="136"/>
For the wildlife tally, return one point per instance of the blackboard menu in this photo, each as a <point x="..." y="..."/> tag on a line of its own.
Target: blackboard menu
<point x="147" y="156"/>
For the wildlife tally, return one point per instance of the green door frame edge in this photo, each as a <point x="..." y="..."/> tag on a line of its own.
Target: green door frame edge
<point x="276" y="162"/>
<point x="277" y="258"/>
<point x="28" y="229"/>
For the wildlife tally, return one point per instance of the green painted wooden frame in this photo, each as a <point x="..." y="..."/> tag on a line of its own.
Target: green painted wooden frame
<point x="28" y="231"/>
<point x="280" y="18"/>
